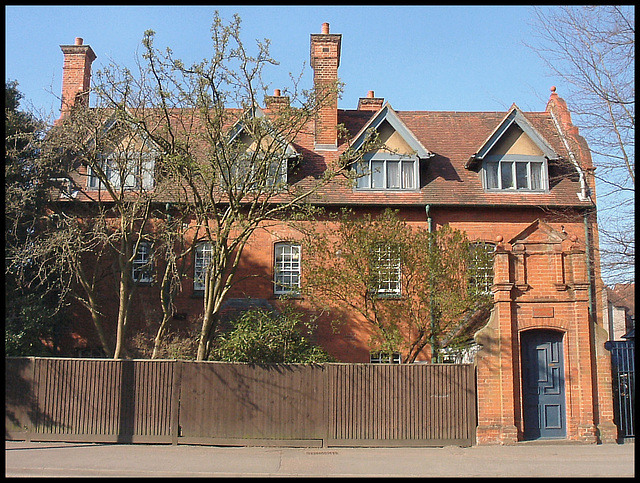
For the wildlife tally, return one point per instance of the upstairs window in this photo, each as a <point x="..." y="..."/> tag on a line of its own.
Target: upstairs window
<point x="387" y="172"/>
<point x="517" y="173"/>
<point x="126" y="170"/>
<point x="142" y="271"/>
<point x="287" y="268"/>
<point x="253" y="173"/>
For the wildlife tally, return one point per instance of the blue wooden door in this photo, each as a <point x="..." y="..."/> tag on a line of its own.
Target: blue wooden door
<point x="543" y="384"/>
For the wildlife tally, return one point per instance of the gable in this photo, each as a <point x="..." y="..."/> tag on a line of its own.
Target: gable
<point x="515" y="135"/>
<point x="515" y="141"/>
<point x="392" y="140"/>
<point x="538" y="232"/>
<point x="393" y="134"/>
<point x="240" y="133"/>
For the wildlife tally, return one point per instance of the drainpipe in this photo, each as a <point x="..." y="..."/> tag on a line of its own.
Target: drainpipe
<point x="584" y="189"/>
<point x="584" y="195"/>
<point x="587" y="247"/>
<point x="427" y="210"/>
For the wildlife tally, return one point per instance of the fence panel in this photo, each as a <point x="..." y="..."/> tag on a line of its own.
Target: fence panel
<point x="100" y="400"/>
<point x="228" y="402"/>
<point x="384" y="404"/>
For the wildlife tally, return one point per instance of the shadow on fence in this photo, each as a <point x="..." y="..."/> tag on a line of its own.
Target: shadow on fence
<point x="132" y="401"/>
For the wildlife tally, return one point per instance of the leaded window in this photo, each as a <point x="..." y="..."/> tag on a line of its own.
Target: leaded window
<point x="287" y="268"/>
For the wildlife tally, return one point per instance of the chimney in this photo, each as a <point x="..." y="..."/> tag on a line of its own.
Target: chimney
<point x="370" y="103"/>
<point x="276" y="101"/>
<point x="76" y="75"/>
<point x="325" y="59"/>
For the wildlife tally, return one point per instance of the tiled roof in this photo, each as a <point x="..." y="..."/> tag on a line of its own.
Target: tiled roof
<point x="453" y="137"/>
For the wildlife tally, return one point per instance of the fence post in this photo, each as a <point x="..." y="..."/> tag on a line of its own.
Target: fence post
<point x="34" y="401"/>
<point x="175" y="401"/>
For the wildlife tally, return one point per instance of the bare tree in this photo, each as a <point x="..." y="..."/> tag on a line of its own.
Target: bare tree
<point x="592" y="48"/>
<point x="228" y="164"/>
<point x="104" y="211"/>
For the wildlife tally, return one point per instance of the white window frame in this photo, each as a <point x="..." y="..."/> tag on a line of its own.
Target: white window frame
<point x="142" y="266"/>
<point x="380" y="358"/>
<point x="481" y="277"/>
<point x="202" y="258"/>
<point x="519" y="170"/>
<point x="287" y="268"/>
<point x="139" y="175"/>
<point x="374" y="173"/>
<point x="242" y="174"/>
<point x="387" y="269"/>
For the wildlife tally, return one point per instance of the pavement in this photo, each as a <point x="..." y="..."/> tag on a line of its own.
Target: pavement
<point x="531" y="459"/>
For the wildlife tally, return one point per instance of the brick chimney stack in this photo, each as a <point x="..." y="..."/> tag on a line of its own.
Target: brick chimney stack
<point x="276" y="101"/>
<point x="370" y="103"/>
<point x="325" y="59"/>
<point x="76" y="75"/>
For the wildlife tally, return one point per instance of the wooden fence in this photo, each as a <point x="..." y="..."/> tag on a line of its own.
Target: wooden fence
<point x="138" y="401"/>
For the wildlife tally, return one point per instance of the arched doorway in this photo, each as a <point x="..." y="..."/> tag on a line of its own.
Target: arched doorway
<point x="543" y="391"/>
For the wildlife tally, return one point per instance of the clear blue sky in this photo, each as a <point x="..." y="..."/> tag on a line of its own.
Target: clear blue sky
<point x="456" y="58"/>
<point x="440" y="58"/>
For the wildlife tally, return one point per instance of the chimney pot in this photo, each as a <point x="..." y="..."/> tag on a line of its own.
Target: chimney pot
<point x="325" y="28"/>
<point x="79" y="40"/>
<point x="276" y="92"/>
<point x="370" y="103"/>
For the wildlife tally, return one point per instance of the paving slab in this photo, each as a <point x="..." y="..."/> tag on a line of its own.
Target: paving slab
<point x="29" y="459"/>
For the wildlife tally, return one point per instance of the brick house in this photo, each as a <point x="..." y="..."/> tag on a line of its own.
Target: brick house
<point x="620" y="314"/>
<point x="521" y="181"/>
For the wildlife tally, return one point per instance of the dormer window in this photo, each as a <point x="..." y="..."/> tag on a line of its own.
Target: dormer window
<point x="515" y="172"/>
<point x="125" y="170"/>
<point x="514" y="158"/>
<point x="395" y="165"/>
<point x="384" y="171"/>
<point x="252" y="173"/>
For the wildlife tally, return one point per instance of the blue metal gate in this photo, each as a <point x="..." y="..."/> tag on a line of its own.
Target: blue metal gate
<point x="624" y="385"/>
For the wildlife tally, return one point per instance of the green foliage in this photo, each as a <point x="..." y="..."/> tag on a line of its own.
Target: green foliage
<point x="32" y="315"/>
<point x="31" y="325"/>
<point x="260" y="336"/>
<point x="413" y="294"/>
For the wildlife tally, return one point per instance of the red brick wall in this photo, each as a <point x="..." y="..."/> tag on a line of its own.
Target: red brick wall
<point x="543" y="286"/>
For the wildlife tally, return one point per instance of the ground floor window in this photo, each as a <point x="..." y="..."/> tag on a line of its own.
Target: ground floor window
<point x="287" y="268"/>
<point x="201" y="262"/>
<point x="142" y="271"/>
<point x="382" y="358"/>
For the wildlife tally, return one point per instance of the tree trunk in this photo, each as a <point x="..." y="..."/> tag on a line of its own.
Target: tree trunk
<point x="123" y="315"/>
